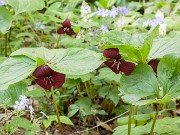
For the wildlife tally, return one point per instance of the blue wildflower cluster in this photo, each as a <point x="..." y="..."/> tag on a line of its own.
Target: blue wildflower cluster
<point x="159" y="19"/>
<point x="104" y="28"/>
<point x="37" y="26"/>
<point x="113" y="12"/>
<point x="2" y="3"/>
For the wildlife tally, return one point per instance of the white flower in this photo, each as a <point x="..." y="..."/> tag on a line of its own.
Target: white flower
<point x="119" y="24"/>
<point x="162" y="29"/>
<point x="157" y="21"/>
<point x="85" y="8"/>
<point x="104" y="29"/>
<point x="94" y="32"/>
<point x="22" y="104"/>
<point x="31" y="110"/>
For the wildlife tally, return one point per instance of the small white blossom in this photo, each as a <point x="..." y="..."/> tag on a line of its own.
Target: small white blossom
<point x="93" y="33"/>
<point x="85" y="8"/>
<point x="22" y="104"/>
<point x="31" y="110"/>
<point x="119" y="24"/>
<point x="159" y="19"/>
<point x="162" y="29"/>
<point x="104" y="29"/>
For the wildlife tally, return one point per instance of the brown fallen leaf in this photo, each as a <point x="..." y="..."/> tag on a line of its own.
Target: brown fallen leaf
<point x="104" y="125"/>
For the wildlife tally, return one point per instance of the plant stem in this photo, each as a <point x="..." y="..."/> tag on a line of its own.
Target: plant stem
<point x="57" y="112"/>
<point x="58" y="41"/>
<point x="86" y="87"/>
<point x="136" y="112"/>
<point x="129" y="120"/>
<point x="154" y="121"/>
<point x="6" y="44"/>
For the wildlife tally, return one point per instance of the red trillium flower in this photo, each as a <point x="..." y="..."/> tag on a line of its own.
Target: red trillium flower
<point x="47" y="78"/>
<point x="66" y="28"/>
<point x="112" y="53"/>
<point x="127" y="67"/>
<point x="154" y="65"/>
<point x="115" y="63"/>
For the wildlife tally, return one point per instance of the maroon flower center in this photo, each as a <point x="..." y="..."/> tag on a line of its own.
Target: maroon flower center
<point x="66" y="29"/>
<point x="49" y="79"/>
<point x="116" y="63"/>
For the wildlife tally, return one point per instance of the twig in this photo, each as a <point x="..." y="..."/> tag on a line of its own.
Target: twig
<point x="101" y="123"/>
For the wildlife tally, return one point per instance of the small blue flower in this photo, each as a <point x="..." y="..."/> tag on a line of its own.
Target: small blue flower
<point x="124" y="11"/>
<point x="37" y="26"/>
<point x="2" y="3"/>
<point x="113" y="12"/>
<point x="94" y="32"/>
<point x="104" y="29"/>
<point x="102" y="12"/>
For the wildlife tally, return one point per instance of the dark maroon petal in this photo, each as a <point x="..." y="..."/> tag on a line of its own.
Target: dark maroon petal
<point x="112" y="53"/>
<point x="42" y="71"/>
<point x="114" y="65"/>
<point x="58" y="79"/>
<point x="154" y="64"/>
<point x="70" y="32"/>
<point x="61" y="30"/>
<point x="44" y="82"/>
<point x="127" y="67"/>
<point x="67" y="23"/>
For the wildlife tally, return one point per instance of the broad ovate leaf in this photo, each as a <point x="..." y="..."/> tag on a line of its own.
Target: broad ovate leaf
<point x="169" y="74"/>
<point x="147" y="45"/>
<point x="5" y="19"/>
<point x="164" y="46"/>
<point x="25" y="5"/>
<point x="141" y="83"/>
<point x="73" y="61"/>
<point x="15" y="69"/>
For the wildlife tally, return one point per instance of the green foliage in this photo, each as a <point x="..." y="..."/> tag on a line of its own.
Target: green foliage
<point x="51" y="118"/>
<point x="164" y="46"/>
<point x="2" y="59"/>
<point x="73" y="61"/>
<point x="25" y="5"/>
<point x="5" y="19"/>
<point x="131" y="47"/>
<point x="85" y="107"/>
<point x="109" y="92"/>
<point x="141" y="83"/>
<point x="106" y="3"/>
<point x="15" y="69"/>
<point x="169" y="74"/>
<point x="70" y="42"/>
<point x="162" y="127"/>
<point x="24" y="123"/>
<point x="116" y="37"/>
<point x="34" y="93"/>
<point x="13" y="92"/>
<point x="108" y="75"/>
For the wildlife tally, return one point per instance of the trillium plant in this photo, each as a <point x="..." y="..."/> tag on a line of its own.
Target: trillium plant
<point x="66" y="28"/>
<point x="81" y="63"/>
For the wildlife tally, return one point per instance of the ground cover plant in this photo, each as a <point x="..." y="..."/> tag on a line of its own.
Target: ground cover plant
<point x="99" y="67"/>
